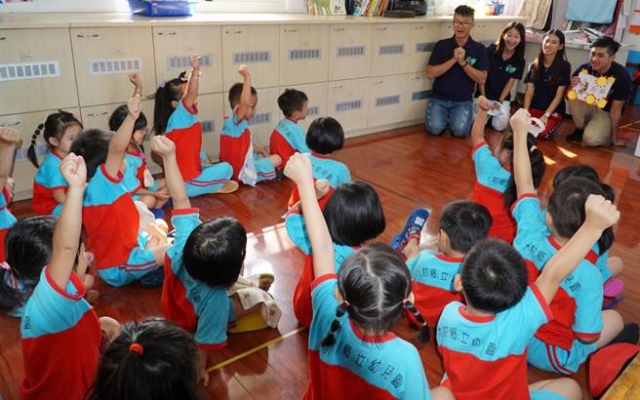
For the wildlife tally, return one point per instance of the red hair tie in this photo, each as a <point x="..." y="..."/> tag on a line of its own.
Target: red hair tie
<point x="136" y="348"/>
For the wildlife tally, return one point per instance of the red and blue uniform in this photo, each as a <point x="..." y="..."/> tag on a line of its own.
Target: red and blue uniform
<point x="135" y="165"/>
<point x="486" y="357"/>
<point x="61" y="340"/>
<point x="195" y="306"/>
<point x="6" y="220"/>
<point x="184" y="129"/>
<point x="235" y="145"/>
<point x="287" y="139"/>
<point x="357" y="365"/>
<point x="297" y="231"/>
<point x="323" y="167"/>
<point x="492" y="180"/>
<point x="557" y="345"/>
<point x="432" y="274"/>
<point x="112" y="223"/>
<point x="47" y="180"/>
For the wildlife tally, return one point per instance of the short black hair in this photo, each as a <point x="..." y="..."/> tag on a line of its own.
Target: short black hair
<point x="236" y="91"/>
<point x="464" y="11"/>
<point x="291" y="100"/>
<point x="214" y="252"/>
<point x="119" y="114"/>
<point x="494" y="276"/>
<point x="93" y="146"/>
<point x="466" y="223"/>
<point x="607" y="42"/>
<point x="354" y="214"/>
<point x="566" y="204"/>
<point x="325" y="135"/>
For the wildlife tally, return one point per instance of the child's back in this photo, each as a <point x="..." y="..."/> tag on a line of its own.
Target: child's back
<point x="288" y="137"/>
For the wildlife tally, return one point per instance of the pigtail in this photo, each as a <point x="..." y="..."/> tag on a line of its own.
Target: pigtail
<point x="538" y="166"/>
<point x="330" y="339"/>
<point x="31" y="152"/>
<point x="9" y="297"/>
<point x="423" y="335"/>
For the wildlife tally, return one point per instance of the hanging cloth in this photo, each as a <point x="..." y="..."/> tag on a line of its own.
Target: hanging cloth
<point x="595" y="11"/>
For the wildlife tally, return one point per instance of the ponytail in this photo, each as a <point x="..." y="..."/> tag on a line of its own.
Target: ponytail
<point x="536" y="158"/>
<point x="167" y="93"/>
<point x="423" y="335"/>
<point x="31" y="152"/>
<point x="10" y="298"/>
<point x="330" y="339"/>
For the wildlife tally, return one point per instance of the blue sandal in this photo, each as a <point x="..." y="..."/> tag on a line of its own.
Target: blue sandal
<point x="413" y="227"/>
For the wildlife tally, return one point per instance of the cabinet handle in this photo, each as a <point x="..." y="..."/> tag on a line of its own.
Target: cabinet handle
<point x="336" y="87"/>
<point x="378" y="82"/>
<point x="291" y="30"/>
<point x="234" y="32"/>
<point x="167" y="33"/>
<point x="338" y="29"/>
<point x="3" y="38"/>
<point x="419" y="27"/>
<point x="382" y="29"/>
<point x="95" y="35"/>
<point x="97" y="114"/>
<point x="10" y="124"/>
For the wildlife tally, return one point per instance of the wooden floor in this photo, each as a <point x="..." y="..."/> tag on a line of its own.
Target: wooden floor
<point x="409" y="169"/>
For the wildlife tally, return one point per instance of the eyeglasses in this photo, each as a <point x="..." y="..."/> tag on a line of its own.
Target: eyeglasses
<point x="463" y="23"/>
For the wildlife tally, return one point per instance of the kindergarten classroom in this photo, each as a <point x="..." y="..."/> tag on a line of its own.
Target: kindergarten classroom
<point x="409" y="169"/>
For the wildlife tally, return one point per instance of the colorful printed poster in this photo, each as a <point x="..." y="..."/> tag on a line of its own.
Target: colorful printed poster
<point x="593" y="90"/>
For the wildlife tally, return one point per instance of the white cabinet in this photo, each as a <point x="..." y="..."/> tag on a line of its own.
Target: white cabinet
<point x="104" y="57"/>
<point x="421" y="40"/>
<point x="389" y="49"/>
<point x="36" y="71"/>
<point x="485" y="32"/>
<point x="418" y="90"/>
<point x="387" y="100"/>
<point x="174" y="46"/>
<point x="210" y="107"/>
<point x="254" y="45"/>
<point x="266" y="116"/>
<point x="26" y="124"/>
<point x="304" y="54"/>
<point x="350" y="55"/>
<point x="348" y="102"/>
<point x="317" y="105"/>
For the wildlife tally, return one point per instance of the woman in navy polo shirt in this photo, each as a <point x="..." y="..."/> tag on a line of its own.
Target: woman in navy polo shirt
<point x="547" y="79"/>
<point x="506" y="66"/>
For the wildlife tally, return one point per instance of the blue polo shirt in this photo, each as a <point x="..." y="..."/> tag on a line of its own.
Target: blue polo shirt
<point x="455" y="84"/>
<point x="620" y="88"/>
<point x="545" y="91"/>
<point x="500" y="71"/>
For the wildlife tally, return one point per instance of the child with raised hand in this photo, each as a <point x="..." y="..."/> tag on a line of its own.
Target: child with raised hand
<point x="354" y="216"/>
<point x="49" y="187"/>
<point x="495" y="187"/>
<point x="249" y="166"/>
<point x="463" y="223"/>
<point x="150" y="360"/>
<point x="176" y="116"/>
<point x="288" y="137"/>
<point x="57" y="316"/>
<point x="123" y="253"/>
<point x="202" y="268"/>
<point x="352" y="351"/>
<point x="484" y="344"/>
<point x="137" y="177"/>
<point x="579" y="326"/>
<point x="8" y="140"/>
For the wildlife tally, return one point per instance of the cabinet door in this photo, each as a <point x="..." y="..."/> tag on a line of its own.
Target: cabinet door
<point x="418" y="91"/>
<point x="317" y="105"/>
<point x="255" y="46"/>
<point x="485" y="32"/>
<point x="350" y="52"/>
<point x="36" y="71"/>
<point x="105" y="56"/>
<point x="266" y="116"/>
<point x="389" y="49"/>
<point x="348" y="104"/>
<point x="211" y="117"/>
<point x="304" y="54"/>
<point x="23" y="170"/>
<point x="387" y="98"/>
<point x="174" y="47"/>
<point x="422" y="39"/>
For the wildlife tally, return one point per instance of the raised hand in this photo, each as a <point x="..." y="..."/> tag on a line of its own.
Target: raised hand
<point x="136" y="81"/>
<point x="298" y="168"/>
<point x="135" y="106"/>
<point x="520" y="122"/>
<point x="163" y="146"/>
<point x="244" y="71"/>
<point x="600" y="213"/>
<point x="484" y="104"/>
<point x="74" y="170"/>
<point x="9" y="136"/>
<point x="196" y="61"/>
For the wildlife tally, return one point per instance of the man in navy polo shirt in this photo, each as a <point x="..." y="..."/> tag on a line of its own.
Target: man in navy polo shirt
<point x="597" y="124"/>
<point x="457" y="64"/>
